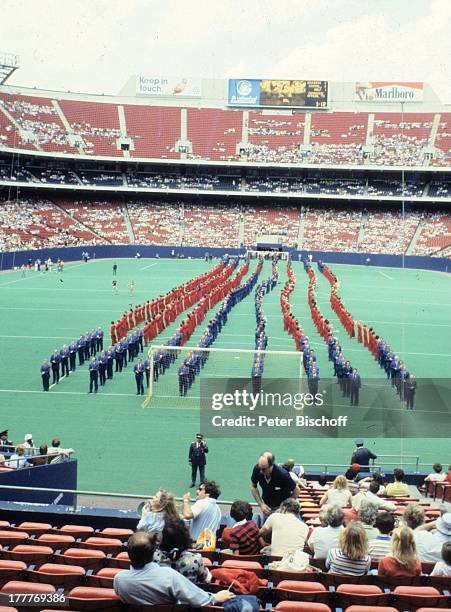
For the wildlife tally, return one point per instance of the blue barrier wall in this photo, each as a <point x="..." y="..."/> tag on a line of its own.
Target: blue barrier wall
<point x="53" y="476"/>
<point x="17" y="258"/>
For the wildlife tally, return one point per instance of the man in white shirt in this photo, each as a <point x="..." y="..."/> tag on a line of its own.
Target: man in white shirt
<point x="288" y="532"/>
<point x="205" y="512"/>
<point x="437" y="475"/>
<point x="326" y="537"/>
<point x="371" y="496"/>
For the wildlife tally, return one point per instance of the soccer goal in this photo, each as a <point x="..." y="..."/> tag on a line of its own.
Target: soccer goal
<point x="175" y="374"/>
<point x="268" y="255"/>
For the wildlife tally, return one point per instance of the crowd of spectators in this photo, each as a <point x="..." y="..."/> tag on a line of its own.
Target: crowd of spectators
<point x="31" y="223"/>
<point x="27" y="454"/>
<point x="28" y="223"/>
<point x="360" y="529"/>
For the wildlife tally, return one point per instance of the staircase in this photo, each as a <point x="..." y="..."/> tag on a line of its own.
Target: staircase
<point x="301" y="230"/>
<point x="240" y="239"/>
<point x="128" y="223"/>
<point x="75" y="220"/>
<point x="415" y="237"/>
<point x="123" y="128"/>
<point x="363" y="220"/>
<point x="66" y="124"/>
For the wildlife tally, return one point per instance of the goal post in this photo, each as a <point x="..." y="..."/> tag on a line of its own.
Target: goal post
<point x="169" y="386"/>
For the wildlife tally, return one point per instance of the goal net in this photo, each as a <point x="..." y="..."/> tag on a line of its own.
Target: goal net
<point x="268" y="255"/>
<point x="175" y="375"/>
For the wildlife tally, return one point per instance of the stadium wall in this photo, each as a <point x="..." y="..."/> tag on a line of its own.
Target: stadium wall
<point x="57" y="476"/>
<point x="14" y="259"/>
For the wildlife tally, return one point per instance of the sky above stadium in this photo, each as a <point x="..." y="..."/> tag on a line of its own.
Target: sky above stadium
<point x="96" y="45"/>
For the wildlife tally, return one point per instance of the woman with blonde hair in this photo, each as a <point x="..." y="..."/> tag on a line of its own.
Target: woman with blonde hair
<point x="351" y="556"/>
<point x="161" y="509"/>
<point x="404" y="559"/>
<point x="338" y="495"/>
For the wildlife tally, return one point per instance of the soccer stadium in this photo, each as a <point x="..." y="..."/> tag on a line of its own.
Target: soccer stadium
<point x="225" y="322"/>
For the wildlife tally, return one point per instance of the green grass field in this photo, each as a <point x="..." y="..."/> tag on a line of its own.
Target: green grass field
<point x="124" y="448"/>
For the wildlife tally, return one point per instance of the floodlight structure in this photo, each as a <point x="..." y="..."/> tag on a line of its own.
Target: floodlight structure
<point x="9" y="63"/>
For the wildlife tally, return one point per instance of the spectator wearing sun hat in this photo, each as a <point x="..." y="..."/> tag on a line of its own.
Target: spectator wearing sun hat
<point x="29" y="445"/>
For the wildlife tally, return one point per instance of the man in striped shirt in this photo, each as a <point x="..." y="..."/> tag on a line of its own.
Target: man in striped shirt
<point x="380" y="546"/>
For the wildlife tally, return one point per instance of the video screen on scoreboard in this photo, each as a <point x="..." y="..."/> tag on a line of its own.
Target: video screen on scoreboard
<point x="293" y="93"/>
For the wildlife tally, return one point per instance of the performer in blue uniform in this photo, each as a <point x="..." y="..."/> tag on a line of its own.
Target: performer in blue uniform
<point x="55" y="360"/>
<point x="139" y="375"/>
<point x="93" y="375"/>
<point x="45" y="374"/>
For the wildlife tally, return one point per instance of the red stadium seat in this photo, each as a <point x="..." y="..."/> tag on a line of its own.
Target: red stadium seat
<point x="8" y="609"/>
<point x="108" y="545"/>
<point x="301" y="591"/>
<point x="18" y="586"/>
<point x="121" y="560"/>
<point x="94" y="598"/>
<point x="113" y="532"/>
<point x="57" y="542"/>
<point x="302" y="606"/>
<point x="58" y="574"/>
<point x="370" y="609"/>
<point x="28" y="553"/>
<point x="104" y="577"/>
<point x="87" y="558"/>
<point x="410" y="597"/>
<point x="360" y="594"/>
<point x="276" y="576"/>
<point x="250" y="566"/>
<point x="223" y="556"/>
<point x="77" y="531"/>
<point x="34" y="528"/>
<point x="11" y="570"/>
<point x="10" y="538"/>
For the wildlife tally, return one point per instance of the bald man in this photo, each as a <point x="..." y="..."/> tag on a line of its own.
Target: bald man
<point x="275" y="482"/>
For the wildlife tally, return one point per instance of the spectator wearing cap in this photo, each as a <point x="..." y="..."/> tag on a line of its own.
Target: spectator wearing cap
<point x="29" y="445"/>
<point x="398" y="488"/>
<point x="6" y="446"/>
<point x="362" y="455"/>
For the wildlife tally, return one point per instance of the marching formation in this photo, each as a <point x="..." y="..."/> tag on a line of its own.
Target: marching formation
<point x="137" y="327"/>
<point x="348" y="377"/>
<point x="401" y="379"/>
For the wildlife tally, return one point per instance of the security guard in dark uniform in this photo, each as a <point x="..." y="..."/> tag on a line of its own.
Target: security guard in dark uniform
<point x="197" y="459"/>
<point x="362" y="455"/>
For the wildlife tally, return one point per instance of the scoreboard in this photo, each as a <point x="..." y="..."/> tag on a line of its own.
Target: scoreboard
<point x="296" y="93"/>
<point x="278" y="93"/>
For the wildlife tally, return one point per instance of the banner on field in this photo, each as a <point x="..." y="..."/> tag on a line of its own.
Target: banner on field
<point x="383" y="91"/>
<point x="179" y="87"/>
